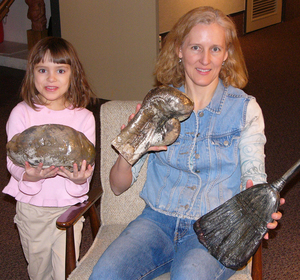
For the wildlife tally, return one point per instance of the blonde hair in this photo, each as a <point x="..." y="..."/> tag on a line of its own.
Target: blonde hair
<point x="168" y="70"/>
<point x="60" y="51"/>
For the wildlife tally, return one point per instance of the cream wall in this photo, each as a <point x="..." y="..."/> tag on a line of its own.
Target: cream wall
<point x="171" y="10"/>
<point x="117" y="40"/>
<point x="117" y="44"/>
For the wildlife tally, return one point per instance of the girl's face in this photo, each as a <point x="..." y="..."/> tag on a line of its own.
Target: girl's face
<point x="202" y="54"/>
<point x="52" y="81"/>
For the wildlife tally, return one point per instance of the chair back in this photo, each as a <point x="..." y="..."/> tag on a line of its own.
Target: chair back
<point x="126" y="207"/>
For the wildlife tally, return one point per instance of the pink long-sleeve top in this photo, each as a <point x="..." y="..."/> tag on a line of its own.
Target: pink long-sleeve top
<point x="51" y="192"/>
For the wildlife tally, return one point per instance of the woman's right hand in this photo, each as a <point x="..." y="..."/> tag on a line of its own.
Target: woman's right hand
<point x="153" y="148"/>
<point x="34" y="174"/>
<point x="138" y="107"/>
<point x="121" y="173"/>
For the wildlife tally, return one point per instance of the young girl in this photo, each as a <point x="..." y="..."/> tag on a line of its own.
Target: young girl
<point x="54" y="90"/>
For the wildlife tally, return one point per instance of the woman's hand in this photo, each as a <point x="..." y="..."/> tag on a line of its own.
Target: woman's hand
<point x="275" y="216"/>
<point x="78" y="177"/>
<point x="138" y="107"/>
<point x="34" y="174"/>
<point x="154" y="148"/>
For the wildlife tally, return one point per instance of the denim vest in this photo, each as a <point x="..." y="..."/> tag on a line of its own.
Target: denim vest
<point x="201" y="169"/>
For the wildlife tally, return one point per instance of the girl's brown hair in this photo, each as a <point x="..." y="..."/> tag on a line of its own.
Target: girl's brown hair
<point x="168" y="70"/>
<point x="60" y="51"/>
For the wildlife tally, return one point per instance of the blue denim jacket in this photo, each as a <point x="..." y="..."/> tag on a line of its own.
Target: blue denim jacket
<point x="202" y="168"/>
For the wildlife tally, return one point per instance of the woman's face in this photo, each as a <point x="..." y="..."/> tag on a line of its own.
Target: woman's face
<point x="202" y="54"/>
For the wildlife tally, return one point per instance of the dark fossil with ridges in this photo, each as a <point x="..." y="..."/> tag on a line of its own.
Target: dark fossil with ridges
<point x="156" y="124"/>
<point x="51" y="144"/>
<point x="233" y="231"/>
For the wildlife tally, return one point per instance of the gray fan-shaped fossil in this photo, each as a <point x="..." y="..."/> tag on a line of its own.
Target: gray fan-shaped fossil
<point x="233" y="231"/>
<point x="51" y="144"/>
<point x="156" y="124"/>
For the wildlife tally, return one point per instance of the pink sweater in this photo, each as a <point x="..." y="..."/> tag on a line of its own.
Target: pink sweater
<point x="51" y="192"/>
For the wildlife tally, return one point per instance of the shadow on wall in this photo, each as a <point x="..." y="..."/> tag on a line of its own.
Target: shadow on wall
<point x="290" y="9"/>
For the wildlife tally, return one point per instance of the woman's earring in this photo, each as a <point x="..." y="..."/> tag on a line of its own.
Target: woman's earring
<point x="223" y="63"/>
<point x="180" y="60"/>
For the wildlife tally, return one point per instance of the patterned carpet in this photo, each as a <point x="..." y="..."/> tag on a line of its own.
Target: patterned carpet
<point x="274" y="80"/>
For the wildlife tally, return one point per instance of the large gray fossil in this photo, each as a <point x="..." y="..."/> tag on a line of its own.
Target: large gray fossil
<point x="157" y="123"/>
<point x="51" y="144"/>
<point x="233" y="231"/>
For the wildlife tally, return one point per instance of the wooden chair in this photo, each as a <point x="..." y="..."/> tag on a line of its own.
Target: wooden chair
<point x="117" y="211"/>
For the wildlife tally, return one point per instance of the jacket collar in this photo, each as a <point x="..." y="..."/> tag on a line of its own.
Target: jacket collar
<point x="216" y="103"/>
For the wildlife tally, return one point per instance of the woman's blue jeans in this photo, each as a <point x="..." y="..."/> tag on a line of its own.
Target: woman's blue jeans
<point x="154" y="244"/>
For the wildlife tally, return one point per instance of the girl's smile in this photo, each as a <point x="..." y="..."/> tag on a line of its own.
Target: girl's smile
<point x="52" y="81"/>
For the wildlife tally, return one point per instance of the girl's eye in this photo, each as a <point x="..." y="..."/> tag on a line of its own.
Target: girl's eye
<point x="61" y="71"/>
<point x="42" y="70"/>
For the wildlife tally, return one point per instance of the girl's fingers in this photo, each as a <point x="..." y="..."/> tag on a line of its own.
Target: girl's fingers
<point x="83" y="166"/>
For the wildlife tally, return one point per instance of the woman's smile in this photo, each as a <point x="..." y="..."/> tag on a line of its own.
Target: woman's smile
<point x="202" y="54"/>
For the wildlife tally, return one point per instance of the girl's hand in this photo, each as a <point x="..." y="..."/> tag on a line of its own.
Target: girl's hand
<point x="154" y="148"/>
<point x="276" y="216"/>
<point x="78" y="177"/>
<point x="34" y="174"/>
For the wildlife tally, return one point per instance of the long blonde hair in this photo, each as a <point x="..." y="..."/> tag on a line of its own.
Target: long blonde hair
<point x="62" y="52"/>
<point x="168" y="70"/>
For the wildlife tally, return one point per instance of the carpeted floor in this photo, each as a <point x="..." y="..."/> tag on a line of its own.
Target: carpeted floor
<point x="273" y="59"/>
<point x="273" y="62"/>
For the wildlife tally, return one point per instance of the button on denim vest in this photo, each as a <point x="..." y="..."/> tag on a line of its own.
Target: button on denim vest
<point x="201" y="169"/>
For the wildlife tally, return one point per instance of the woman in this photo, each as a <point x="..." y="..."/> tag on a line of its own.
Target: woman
<point x="220" y="150"/>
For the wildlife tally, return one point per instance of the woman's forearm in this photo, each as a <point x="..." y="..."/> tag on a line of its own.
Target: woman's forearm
<point x="120" y="176"/>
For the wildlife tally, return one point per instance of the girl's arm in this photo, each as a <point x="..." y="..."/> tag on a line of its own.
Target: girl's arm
<point x="78" y="181"/>
<point x="30" y="179"/>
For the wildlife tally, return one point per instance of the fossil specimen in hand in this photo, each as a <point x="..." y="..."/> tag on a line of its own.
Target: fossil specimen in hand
<point x="157" y="123"/>
<point x="233" y="231"/>
<point x="51" y="144"/>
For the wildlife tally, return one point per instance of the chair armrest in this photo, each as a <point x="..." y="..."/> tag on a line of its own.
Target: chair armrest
<point x="67" y="220"/>
<point x="73" y="214"/>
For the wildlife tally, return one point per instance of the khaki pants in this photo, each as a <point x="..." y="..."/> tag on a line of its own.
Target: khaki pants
<point x="44" y="245"/>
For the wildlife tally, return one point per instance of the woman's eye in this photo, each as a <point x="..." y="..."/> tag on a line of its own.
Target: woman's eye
<point x="195" y="48"/>
<point x="215" y="49"/>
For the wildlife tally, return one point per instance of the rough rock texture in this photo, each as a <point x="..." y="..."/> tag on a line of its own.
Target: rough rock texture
<point x="156" y="124"/>
<point x="52" y="144"/>
<point x="233" y="231"/>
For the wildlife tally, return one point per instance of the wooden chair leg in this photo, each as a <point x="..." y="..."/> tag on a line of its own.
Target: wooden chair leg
<point x="94" y="220"/>
<point x="70" y="252"/>
<point x="257" y="264"/>
<point x="68" y="219"/>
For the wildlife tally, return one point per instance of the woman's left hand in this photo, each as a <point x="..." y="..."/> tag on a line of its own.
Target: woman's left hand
<point x="275" y="216"/>
<point x="77" y="176"/>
